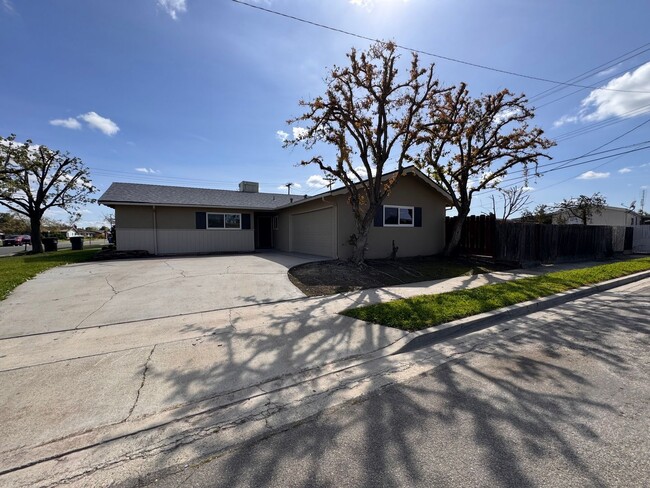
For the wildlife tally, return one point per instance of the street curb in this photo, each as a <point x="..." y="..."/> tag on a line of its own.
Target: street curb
<point x="425" y="337"/>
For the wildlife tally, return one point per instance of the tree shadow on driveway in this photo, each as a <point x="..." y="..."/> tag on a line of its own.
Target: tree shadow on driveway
<point x="513" y="412"/>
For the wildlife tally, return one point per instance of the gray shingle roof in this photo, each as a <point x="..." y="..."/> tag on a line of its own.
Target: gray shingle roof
<point x="135" y="193"/>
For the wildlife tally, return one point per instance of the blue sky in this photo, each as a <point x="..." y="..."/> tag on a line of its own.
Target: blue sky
<point x="194" y="92"/>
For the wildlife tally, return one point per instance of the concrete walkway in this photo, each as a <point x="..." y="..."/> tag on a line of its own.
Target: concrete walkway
<point x="121" y="376"/>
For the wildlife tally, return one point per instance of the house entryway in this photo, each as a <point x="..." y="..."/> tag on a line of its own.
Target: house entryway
<point x="264" y="230"/>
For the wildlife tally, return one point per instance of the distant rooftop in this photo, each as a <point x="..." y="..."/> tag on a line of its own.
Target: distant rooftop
<point x="136" y="193"/>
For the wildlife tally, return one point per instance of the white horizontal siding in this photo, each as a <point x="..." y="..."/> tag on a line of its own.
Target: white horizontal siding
<point x="182" y="241"/>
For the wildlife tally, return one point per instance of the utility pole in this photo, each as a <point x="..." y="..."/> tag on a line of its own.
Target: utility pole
<point x="330" y="180"/>
<point x="289" y="185"/>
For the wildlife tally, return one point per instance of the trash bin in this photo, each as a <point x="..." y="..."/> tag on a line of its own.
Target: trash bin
<point x="77" y="243"/>
<point x="50" y="244"/>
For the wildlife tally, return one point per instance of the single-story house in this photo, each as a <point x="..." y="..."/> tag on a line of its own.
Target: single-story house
<point x="177" y="220"/>
<point x="613" y="216"/>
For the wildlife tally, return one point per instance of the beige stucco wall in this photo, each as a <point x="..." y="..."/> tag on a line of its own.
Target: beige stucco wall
<point x="410" y="190"/>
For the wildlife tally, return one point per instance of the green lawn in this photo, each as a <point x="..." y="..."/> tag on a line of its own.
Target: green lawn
<point x="15" y="270"/>
<point x="429" y="310"/>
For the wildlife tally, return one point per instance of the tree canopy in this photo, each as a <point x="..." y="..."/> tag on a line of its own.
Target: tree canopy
<point x="583" y="207"/>
<point x="470" y="144"/>
<point x="372" y="115"/>
<point x="34" y="178"/>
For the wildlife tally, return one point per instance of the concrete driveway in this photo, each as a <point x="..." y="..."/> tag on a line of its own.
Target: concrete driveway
<point x="111" y="292"/>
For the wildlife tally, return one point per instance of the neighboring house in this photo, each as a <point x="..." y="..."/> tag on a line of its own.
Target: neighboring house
<point x="178" y="220"/>
<point x="614" y="216"/>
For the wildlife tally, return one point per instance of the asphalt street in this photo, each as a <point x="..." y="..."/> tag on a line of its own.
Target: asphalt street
<point x="63" y="244"/>
<point x="563" y="402"/>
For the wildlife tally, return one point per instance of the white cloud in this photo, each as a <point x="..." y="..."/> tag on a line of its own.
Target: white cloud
<point x="173" y="7"/>
<point x="625" y="170"/>
<point x="69" y="123"/>
<point x="281" y="135"/>
<point x="528" y="188"/>
<point x="299" y="132"/>
<point x="361" y="171"/>
<point x="317" y="181"/>
<point x="593" y="175"/>
<point x="149" y="171"/>
<point x="608" y="71"/>
<point x="102" y="124"/>
<point x="626" y="96"/>
<point x="565" y="119"/>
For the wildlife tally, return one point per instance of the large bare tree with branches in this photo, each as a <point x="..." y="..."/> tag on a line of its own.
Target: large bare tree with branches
<point x="511" y="201"/>
<point x="373" y="118"/>
<point x="470" y="144"/>
<point x="34" y="179"/>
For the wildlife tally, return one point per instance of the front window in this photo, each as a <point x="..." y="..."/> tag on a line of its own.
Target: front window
<point x="395" y="216"/>
<point x="224" y="221"/>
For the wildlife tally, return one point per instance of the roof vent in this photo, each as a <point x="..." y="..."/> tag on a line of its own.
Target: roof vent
<point x="249" y="187"/>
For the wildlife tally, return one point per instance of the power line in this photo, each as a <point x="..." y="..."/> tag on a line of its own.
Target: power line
<point x="565" y="166"/>
<point x="594" y="85"/>
<point x="151" y="178"/>
<point x="426" y="53"/>
<point x="588" y="74"/>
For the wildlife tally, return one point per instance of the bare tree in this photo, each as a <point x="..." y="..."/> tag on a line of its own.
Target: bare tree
<point x="472" y="143"/>
<point x="34" y="179"/>
<point x="372" y="118"/>
<point x="513" y="200"/>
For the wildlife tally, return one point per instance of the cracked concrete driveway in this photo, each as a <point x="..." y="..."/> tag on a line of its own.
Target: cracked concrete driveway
<point x="110" y="292"/>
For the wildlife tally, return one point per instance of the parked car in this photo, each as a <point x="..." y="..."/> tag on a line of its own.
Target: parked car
<point x="23" y="240"/>
<point x="9" y="241"/>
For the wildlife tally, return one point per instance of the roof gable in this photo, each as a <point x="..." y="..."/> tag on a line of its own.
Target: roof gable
<point x="408" y="170"/>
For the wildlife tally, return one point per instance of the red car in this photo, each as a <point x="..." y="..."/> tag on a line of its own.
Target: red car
<point x="23" y="240"/>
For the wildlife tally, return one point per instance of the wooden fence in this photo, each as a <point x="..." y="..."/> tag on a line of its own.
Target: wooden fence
<point x="525" y="243"/>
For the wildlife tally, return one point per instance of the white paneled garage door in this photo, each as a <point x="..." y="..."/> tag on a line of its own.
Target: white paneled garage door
<point x="313" y="232"/>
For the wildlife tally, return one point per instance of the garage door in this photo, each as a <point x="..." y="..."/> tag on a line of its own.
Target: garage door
<point x="313" y="232"/>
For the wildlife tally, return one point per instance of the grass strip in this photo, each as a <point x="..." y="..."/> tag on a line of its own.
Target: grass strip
<point x="424" y="311"/>
<point x="15" y="270"/>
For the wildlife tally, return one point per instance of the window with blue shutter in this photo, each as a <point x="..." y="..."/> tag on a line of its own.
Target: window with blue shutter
<point x="200" y="220"/>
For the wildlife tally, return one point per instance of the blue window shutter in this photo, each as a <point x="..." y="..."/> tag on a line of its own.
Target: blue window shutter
<point x="417" y="220"/>
<point x="246" y="221"/>
<point x="379" y="216"/>
<point x="200" y="220"/>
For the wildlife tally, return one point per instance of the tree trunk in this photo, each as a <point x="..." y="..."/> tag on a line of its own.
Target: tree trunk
<point x="37" y="244"/>
<point x="359" y="251"/>
<point x="363" y="230"/>
<point x="456" y="233"/>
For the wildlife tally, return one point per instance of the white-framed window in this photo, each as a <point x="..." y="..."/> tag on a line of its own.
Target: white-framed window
<point x="276" y="224"/>
<point x="399" y="216"/>
<point x="223" y="221"/>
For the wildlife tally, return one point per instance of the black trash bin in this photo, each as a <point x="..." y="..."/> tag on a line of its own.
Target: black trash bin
<point x="50" y="244"/>
<point x="77" y="243"/>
